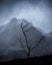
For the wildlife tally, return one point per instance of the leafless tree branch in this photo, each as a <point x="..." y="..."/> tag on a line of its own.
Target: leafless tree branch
<point x="38" y="43"/>
<point x="26" y="40"/>
<point x="30" y="49"/>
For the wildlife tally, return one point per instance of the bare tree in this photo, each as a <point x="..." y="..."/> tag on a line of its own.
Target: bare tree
<point x="29" y="48"/>
<point x="28" y="53"/>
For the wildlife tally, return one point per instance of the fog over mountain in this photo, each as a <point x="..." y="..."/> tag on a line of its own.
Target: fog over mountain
<point x="25" y="29"/>
<point x="23" y="40"/>
<point x="38" y="12"/>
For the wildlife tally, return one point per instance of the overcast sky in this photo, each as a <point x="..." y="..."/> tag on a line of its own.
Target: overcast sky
<point x="38" y="12"/>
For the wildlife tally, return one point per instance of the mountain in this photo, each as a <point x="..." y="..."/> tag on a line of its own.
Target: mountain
<point x="23" y="40"/>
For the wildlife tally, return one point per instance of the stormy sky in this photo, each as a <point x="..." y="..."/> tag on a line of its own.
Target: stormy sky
<point x="38" y="12"/>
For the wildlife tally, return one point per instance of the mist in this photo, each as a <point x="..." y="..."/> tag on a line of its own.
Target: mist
<point x="38" y="12"/>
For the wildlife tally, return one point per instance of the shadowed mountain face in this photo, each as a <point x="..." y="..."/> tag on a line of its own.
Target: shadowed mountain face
<point x="23" y="41"/>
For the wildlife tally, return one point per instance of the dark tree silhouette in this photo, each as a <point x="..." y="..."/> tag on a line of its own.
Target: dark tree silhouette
<point x="28" y="53"/>
<point x="29" y="48"/>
